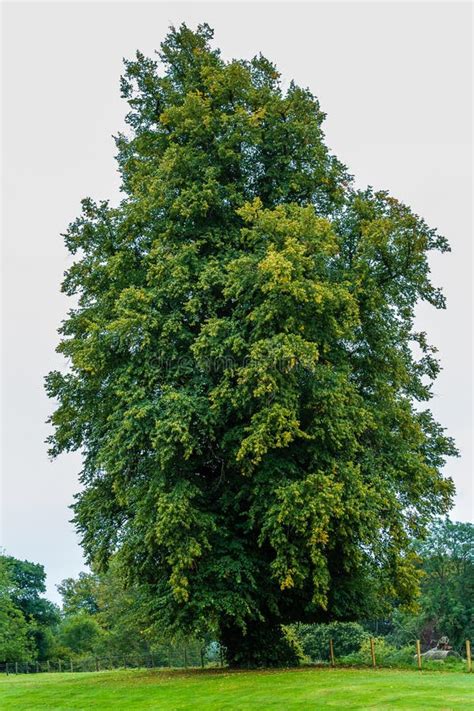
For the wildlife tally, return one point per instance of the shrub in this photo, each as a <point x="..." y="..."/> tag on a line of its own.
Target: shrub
<point x="347" y="638"/>
<point x="386" y="655"/>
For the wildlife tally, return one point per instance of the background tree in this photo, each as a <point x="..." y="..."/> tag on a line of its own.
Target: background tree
<point x="80" y="634"/>
<point x="80" y="594"/>
<point x="99" y="611"/>
<point x="15" y="642"/>
<point x="28" y="585"/>
<point x="242" y="375"/>
<point x="446" y="603"/>
<point x="104" y="618"/>
<point x="39" y="616"/>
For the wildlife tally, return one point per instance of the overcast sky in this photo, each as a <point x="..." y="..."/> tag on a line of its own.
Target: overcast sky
<point x="395" y="82"/>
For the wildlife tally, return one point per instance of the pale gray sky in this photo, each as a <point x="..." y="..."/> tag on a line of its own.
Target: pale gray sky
<point x="395" y="82"/>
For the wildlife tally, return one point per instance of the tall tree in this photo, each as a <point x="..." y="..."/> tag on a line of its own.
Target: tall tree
<point x="243" y="380"/>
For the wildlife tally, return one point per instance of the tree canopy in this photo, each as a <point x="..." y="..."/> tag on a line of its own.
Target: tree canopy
<point x="245" y="381"/>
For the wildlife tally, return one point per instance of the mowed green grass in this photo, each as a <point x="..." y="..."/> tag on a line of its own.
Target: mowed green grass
<point x="221" y="689"/>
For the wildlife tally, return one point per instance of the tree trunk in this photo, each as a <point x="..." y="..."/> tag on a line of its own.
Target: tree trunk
<point x="262" y="644"/>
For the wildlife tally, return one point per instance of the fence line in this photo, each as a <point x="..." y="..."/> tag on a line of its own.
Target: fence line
<point x="166" y="657"/>
<point x="191" y="656"/>
<point x="418" y="655"/>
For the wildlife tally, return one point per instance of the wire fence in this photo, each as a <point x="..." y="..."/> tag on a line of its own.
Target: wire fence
<point x="374" y="652"/>
<point x="194" y="656"/>
<point x="164" y="657"/>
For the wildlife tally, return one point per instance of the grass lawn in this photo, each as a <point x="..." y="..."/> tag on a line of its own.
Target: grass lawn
<point x="220" y="689"/>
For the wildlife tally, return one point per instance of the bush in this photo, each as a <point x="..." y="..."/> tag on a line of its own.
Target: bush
<point x="451" y="663"/>
<point x="347" y="638"/>
<point x="386" y="655"/>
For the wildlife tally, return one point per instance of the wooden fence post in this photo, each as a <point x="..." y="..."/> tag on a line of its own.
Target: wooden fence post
<point x="16" y="667"/>
<point x="48" y="665"/>
<point x="6" y="667"/>
<point x="418" y="653"/>
<point x="185" y="657"/>
<point x="201" y="651"/>
<point x="372" y="651"/>
<point x="468" y="655"/>
<point x="71" y="665"/>
<point x="331" y="652"/>
<point x="37" y="667"/>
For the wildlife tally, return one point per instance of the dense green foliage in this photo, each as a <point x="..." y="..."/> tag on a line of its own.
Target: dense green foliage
<point x="105" y="619"/>
<point x="14" y="640"/>
<point x="27" y="619"/>
<point x="102" y="617"/>
<point x="347" y="637"/>
<point x="346" y="689"/>
<point x="79" y="634"/>
<point x="244" y="374"/>
<point x="446" y="603"/>
<point x="80" y="594"/>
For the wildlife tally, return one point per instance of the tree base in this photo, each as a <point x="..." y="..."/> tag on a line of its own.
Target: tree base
<point x="261" y="645"/>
